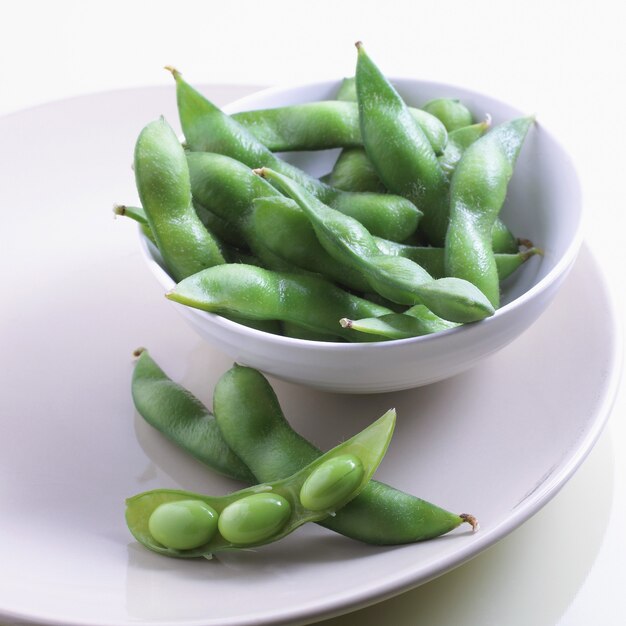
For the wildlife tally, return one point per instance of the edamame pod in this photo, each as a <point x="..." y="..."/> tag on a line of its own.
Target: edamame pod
<point x="186" y="525"/>
<point x="282" y="237"/>
<point x="323" y="125"/>
<point x="395" y="278"/>
<point x="208" y="129"/>
<point x="433" y="259"/>
<point x="251" y="420"/>
<point x="353" y="171"/>
<point x="164" y="188"/>
<point x="414" y="322"/>
<point x="477" y="192"/>
<point x="182" y="418"/>
<point x="396" y="145"/>
<point x="256" y="293"/>
<point x="452" y="113"/>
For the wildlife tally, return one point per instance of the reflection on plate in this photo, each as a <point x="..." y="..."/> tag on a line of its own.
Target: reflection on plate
<point x="497" y="441"/>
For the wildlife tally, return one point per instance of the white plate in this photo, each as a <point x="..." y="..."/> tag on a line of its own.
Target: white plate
<point x="497" y="441"/>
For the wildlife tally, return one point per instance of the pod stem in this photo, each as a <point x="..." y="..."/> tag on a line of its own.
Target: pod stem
<point x="346" y="323"/>
<point x="471" y="520"/>
<point x="172" y="70"/>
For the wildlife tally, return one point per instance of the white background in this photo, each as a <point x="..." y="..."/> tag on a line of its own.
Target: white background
<point x="565" y="61"/>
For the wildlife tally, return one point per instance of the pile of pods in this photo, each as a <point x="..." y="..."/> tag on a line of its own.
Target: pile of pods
<point x="247" y="438"/>
<point x="401" y="239"/>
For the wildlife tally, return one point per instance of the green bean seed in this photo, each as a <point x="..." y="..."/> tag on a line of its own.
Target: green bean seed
<point x="254" y="516"/>
<point x="254" y="519"/>
<point x="183" y="524"/>
<point x="331" y="483"/>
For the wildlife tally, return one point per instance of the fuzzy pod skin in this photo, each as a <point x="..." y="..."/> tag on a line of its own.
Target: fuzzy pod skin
<point x="183" y="419"/>
<point x="396" y="145"/>
<point x="477" y="192"/>
<point x="256" y="293"/>
<point x="272" y="227"/>
<point x="252" y="421"/>
<point x="452" y="113"/>
<point x="396" y="278"/>
<point x="208" y="129"/>
<point x="256" y="515"/>
<point x="164" y="188"/>
<point x="323" y="125"/>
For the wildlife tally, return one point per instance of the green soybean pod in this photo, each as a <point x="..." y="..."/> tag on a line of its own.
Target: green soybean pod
<point x="433" y="259"/>
<point x="259" y="294"/>
<point x="281" y="237"/>
<point x="182" y="418"/>
<point x="353" y="171"/>
<point x="432" y="127"/>
<point x="287" y="232"/>
<point x="414" y="322"/>
<point x="395" y="278"/>
<point x="396" y="145"/>
<point x="261" y="514"/>
<point x="252" y="421"/>
<point x="162" y="178"/>
<point x="477" y="192"/>
<point x="208" y="129"/>
<point x="323" y="125"/>
<point x="452" y="113"/>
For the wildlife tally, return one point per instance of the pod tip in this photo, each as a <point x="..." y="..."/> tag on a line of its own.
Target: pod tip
<point x="359" y="45"/>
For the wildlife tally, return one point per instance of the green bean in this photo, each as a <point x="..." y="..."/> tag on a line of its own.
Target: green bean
<point x="353" y="171"/>
<point x="414" y="322"/>
<point x="282" y="237"/>
<point x="163" y="184"/>
<point x="458" y="141"/>
<point x="477" y="192"/>
<point x="396" y="145"/>
<point x="251" y="420"/>
<point x="450" y="111"/>
<point x="208" y="129"/>
<point x="257" y="293"/>
<point x="182" y="418"/>
<point x="347" y="90"/>
<point x="323" y="125"/>
<point x="433" y="259"/>
<point x="185" y="522"/>
<point x="287" y="232"/>
<point x="396" y="278"/>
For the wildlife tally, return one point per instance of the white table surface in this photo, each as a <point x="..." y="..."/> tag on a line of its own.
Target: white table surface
<point x="562" y="60"/>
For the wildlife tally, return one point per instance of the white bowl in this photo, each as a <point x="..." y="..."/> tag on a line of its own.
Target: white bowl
<point x="543" y="204"/>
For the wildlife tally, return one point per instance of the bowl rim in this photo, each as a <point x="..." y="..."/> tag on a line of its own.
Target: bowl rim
<point x="563" y="264"/>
